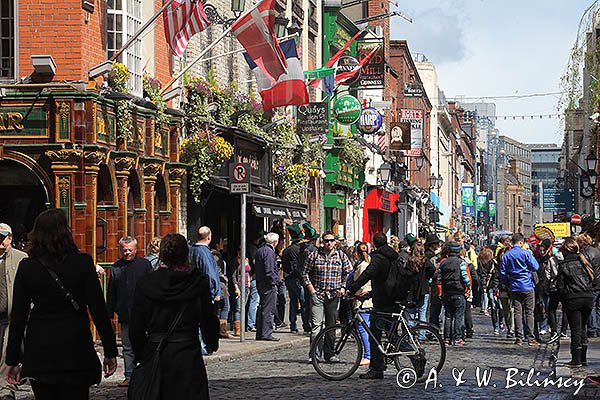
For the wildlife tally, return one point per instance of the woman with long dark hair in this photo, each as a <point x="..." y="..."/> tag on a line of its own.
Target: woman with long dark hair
<point x="490" y="282"/>
<point x="363" y="259"/>
<point x="58" y="354"/>
<point x="421" y="274"/>
<point x="575" y="283"/>
<point x="159" y="297"/>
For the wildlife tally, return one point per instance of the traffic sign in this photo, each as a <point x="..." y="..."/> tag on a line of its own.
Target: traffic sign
<point x="239" y="178"/>
<point x="576" y="219"/>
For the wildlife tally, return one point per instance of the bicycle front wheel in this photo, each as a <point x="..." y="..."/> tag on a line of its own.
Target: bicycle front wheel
<point x="430" y="348"/>
<point x="336" y="352"/>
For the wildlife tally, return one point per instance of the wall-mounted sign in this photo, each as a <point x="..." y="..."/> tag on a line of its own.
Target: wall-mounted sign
<point x="372" y="72"/>
<point x="24" y="122"/>
<point x="400" y="136"/>
<point x="312" y="119"/>
<point x="415" y="118"/>
<point x="370" y="121"/>
<point x="346" y="109"/>
<point x="413" y="89"/>
<point x="347" y="64"/>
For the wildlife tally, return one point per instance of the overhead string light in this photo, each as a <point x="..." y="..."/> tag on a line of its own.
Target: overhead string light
<point x="523" y="117"/>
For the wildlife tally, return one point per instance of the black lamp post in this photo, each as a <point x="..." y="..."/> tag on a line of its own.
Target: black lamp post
<point x="591" y="162"/>
<point x="419" y="162"/>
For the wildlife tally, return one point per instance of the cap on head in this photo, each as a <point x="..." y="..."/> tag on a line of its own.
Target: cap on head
<point x="5" y="230"/>
<point x="295" y="232"/>
<point x="309" y="232"/>
<point x="410" y="239"/>
<point x="432" y="239"/>
<point x="547" y="243"/>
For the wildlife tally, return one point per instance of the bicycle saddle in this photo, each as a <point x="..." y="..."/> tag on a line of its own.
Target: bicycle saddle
<point x="406" y="303"/>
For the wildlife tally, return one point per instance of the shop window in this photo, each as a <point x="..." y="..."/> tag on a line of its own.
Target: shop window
<point x="123" y="19"/>
<point x="7" y="40"/>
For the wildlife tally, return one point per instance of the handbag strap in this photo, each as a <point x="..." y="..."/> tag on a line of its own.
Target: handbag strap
<point x="172" y="327"/>
<point x="69" y="296"/>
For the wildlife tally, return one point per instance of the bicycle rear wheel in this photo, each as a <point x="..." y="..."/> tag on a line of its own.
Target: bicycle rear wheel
<point x="336" y="352"/>
<point x="431" y="351"/>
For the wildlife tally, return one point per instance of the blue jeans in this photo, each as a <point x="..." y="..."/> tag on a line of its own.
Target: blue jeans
<point x="364" y="336"/>
<point x="127" y="351"/>
<point x="223" y="308"/>
<point x="296" y="292"/>
<point x="252" y="304"/>
<point x="455" y="316"/>
<point x="593" y="322"/>
<point x="419" y="313"/>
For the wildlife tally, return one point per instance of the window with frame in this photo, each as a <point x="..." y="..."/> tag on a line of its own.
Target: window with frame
<point x="123" y="19"/>
<point x="7" y="39"/>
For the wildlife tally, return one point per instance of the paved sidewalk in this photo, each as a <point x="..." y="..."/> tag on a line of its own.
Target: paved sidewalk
<point x="234" y="349"/>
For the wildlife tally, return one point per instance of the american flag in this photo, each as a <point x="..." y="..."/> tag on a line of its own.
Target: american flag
<point x="183" y="19"/>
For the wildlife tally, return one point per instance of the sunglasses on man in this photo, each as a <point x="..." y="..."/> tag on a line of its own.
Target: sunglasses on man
<point x="328" y="240"/>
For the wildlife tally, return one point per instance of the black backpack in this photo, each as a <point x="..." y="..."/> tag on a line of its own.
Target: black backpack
<point x="398" y="280"/>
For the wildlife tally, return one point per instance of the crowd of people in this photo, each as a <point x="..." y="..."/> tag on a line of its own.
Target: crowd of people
<point x="180" y="298"/>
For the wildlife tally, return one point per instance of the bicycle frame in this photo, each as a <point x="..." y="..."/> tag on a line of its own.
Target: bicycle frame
<point x="398" y="318"/>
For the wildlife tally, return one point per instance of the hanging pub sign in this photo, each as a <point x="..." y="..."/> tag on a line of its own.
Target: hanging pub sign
<point x="413" y="89"/>
<point x="415" y="118"/>
<point x="372" y="73"/>
<point x="312" y="119"/>
<point x="400" y="136"/>
<point x="370" y="121"/>
<point x="347" y="64"/>
<point x="346" y="109"/>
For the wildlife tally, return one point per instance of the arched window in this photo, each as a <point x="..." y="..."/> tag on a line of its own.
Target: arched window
<point x="105" y="191"/>
<point x="134" y="201"/>
<point x="160" y="202"/>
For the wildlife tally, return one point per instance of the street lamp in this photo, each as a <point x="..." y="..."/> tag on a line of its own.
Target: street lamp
<point x="435" y="182"/>
<point x="419" y="162"/>
<point x="237" y="8"/>
<point x="591" y="162"/>
<point x="385" y="171"/>
<point x="280" y="24"/>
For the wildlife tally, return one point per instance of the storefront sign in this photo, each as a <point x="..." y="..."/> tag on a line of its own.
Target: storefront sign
<point x="312" y="119"/>
<point x="346" y="109"/>
<point x="415" y="118"/>
<point x="400" y="136"/>
<point x="23" y="121"/>
<point x="348" y="64"/>
<point x="413" y="89"/>
<point x="372" y="72"/>
<point x="370" y="121"/>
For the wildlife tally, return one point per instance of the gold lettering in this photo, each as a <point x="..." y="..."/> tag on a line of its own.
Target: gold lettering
<point x="2" y="127"/>
<point x="14" y="121"/>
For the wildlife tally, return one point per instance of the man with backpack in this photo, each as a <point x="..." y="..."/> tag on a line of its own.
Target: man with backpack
<point x="383" y="283"/>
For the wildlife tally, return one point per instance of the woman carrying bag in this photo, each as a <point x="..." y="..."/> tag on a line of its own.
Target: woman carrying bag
<point x="58" y="353"/>
<point x="575" y="284"/>
<point x="168" y="307"/>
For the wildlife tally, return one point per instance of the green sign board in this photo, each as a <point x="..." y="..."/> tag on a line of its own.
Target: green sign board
<point x="23" y="121"/>
<point x="492" y="210"/>
<point x="481" y="201"/>
<point x="347" y="109"/>
<point x="468" y="191"/>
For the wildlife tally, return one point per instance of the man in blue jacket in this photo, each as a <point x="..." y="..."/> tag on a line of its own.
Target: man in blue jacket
<point x="516" y="268"/>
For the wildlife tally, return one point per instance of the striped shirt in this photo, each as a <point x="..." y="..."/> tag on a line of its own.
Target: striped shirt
<point x="327" y="272"/>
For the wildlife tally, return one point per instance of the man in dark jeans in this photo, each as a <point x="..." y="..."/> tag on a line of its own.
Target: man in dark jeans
<point x="516" y="268"/>
<point x="377" y="272"/>
<point x="293" y="269"/>
<point x="267" y="280"/>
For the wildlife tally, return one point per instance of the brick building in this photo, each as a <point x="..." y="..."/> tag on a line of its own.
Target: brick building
<point x="60" y="142"/>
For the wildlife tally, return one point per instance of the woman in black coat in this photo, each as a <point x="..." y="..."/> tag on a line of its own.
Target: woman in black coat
<point x="58" y="353"/>
<point x="575" y="284"/>
<point x="158" y="298"/>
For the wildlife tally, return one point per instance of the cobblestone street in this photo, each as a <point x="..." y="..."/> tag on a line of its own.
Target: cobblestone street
<point x="286" y="374"/>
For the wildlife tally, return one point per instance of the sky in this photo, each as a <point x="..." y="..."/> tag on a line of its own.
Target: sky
<point x="498" y="48"/>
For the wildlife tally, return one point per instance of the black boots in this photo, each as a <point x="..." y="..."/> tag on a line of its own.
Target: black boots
<point x="575" y="358"/>
<point x="584" y="355"/>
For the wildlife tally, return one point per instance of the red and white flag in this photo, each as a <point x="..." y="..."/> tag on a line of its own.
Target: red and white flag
<point x="342" y="78"/>
<point x="255" y="31"/>
<point x="333" y="60"/>
<point x="183" y="19"/>
<point x="290" y="89"/>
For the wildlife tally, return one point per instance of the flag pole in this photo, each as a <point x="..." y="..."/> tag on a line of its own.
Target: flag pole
<point x="139" y="31"/>
<point x="203" y="53"/>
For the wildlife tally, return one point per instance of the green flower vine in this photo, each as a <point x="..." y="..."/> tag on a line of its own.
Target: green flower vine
<point x="117" y="81"/>
<point x="152" y="87"/>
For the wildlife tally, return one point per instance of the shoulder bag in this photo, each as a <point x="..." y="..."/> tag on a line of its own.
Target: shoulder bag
<point x="68" y="295"/>
<point x="145" y="380"/>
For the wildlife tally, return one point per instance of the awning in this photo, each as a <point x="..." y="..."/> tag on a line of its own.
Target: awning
<point x="273" y="207"/>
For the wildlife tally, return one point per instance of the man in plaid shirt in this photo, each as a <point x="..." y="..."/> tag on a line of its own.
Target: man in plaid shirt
<point x="325" y="274"/>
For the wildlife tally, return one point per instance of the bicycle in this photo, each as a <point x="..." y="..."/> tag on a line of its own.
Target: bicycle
<point x="336" y="351"/>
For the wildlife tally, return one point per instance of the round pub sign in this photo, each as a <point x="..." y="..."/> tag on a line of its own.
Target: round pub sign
<point x="370" y="121"/>
<point x="346" y="109"/>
